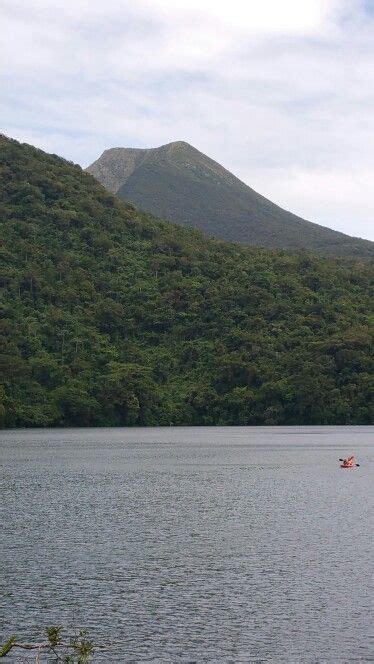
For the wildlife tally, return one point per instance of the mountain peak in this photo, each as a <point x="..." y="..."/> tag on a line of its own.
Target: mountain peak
<point x="177" y="182"/>
<point x="173" y="145"/>
<point x="178" y="144"/>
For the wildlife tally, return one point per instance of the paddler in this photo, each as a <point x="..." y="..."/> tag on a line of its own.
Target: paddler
<point x="349" y="462"/>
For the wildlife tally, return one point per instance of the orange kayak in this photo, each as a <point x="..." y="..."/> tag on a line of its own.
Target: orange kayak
<point x="342" y="466"/>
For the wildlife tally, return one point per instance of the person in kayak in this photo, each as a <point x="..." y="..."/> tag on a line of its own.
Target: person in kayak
<point x="349" y="462"/>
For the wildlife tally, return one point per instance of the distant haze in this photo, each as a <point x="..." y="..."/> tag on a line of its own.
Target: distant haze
<point x="280" y="93"/>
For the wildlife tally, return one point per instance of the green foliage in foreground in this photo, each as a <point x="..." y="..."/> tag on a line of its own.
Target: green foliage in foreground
<point x="111" y="317"/>
<point x="76" y="650"/>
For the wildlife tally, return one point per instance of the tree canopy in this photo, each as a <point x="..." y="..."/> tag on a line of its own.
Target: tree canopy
<point x="113" y="317"/>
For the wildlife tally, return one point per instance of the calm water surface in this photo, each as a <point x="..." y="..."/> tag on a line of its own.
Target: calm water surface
<point x="191" y="544"/>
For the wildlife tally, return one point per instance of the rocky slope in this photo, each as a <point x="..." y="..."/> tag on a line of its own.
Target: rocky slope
<point x="179" y="183"/>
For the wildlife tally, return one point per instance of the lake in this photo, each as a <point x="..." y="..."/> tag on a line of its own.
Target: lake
<point x="204" y="544"/>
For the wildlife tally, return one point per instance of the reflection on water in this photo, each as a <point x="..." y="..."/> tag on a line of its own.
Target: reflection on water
<point x="190" y="544"/>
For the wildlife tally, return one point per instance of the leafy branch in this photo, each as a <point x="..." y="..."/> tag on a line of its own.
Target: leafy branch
<point x="77" y="650"/>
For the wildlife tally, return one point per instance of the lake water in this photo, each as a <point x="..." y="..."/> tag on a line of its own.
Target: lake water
<point x="191" y="544"/>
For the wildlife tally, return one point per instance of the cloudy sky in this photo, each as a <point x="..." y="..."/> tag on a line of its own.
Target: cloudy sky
<point x="281" y="92"/>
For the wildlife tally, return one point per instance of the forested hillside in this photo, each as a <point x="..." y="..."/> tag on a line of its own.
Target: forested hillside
<point x="111" y="317"/>
<point x="179" y="183"/>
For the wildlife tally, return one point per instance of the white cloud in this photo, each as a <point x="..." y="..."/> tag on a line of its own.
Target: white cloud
<point x="267" y="16"/>
<point x="280" y="92"/>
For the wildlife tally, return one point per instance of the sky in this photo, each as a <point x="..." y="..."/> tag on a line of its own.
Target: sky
<point x="280" y="92"/>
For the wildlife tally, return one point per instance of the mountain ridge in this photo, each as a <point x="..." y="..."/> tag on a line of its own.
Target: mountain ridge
<point x="176" y="181"/>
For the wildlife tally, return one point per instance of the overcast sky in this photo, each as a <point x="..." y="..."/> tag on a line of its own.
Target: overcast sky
<point x="281" y="92"/>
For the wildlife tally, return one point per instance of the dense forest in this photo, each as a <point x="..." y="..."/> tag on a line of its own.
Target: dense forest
<point x="112" y="317"/>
